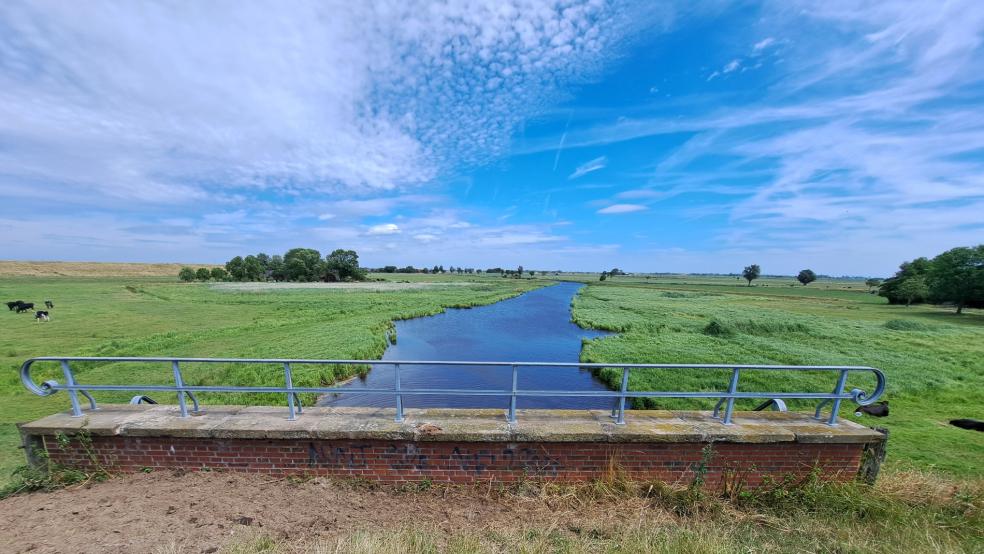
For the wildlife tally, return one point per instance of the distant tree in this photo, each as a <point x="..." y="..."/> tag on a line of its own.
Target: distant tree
<point x="532" y="273"/>
<point x="186" y="274"/>
<point x="957" y="276"/>
<point x="751" y="272"/>
<point x="912" y="289"/>
<point x="604" y="275"/>
<point x="408" y="269"/>
<point x="203" y="274"/>
<point x="276" y="268"/>
<point x="236" y="268"/>
<point x="343" y="265"/>
<point x="519" y="271"/>
<point x="219" y="274"/>
<point x="908" y="270"/>
<point x="806" y="277"/>
<point x="616" y="271"/>
<point x="264" y="260"/>
<point x="253" y="268"/>
<point x="302" y="264"/>
<point x="389" y="269"/>
<point x="872" y="283"/>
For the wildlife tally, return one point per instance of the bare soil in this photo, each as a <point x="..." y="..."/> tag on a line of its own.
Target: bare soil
<point x="91" y="269"/>
<point x="205" y="512"/>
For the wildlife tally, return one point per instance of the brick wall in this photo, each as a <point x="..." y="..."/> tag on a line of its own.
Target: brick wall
<point x="402" y="461"/>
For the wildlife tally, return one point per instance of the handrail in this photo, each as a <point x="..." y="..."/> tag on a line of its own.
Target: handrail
<point x="727" y="397"/>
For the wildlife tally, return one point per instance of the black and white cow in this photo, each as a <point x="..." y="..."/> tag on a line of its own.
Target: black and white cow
<point x="40" y="316"/>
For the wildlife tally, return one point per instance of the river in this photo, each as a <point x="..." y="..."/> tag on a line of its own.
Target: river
<point x="533" y="327"/>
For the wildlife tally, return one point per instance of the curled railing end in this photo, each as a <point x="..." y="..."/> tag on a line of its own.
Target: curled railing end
<point x="44" y="389"/>
<point x="862" y="398"/>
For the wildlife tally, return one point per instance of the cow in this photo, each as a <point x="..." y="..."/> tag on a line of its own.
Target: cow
<point x="14" y="304"/>
<point x="49" y="304"/>
<point x="25" y="307"/>
<point x="878" y="410"/>
<point x="40" y="316"/>
<point x="968" y="424"/>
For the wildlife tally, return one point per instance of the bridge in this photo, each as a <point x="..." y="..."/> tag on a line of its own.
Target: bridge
<point x="412" y="444"/>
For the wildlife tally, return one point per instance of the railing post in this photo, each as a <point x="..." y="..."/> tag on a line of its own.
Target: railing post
<point x="512" y="398"/>
<point x="838" y="391"/>
<point x="732" y="389"/>
<point x="399" y="397"/>
<point x="621" y="397"/>
<point x="291" y="412"/>
<point x="179" y="383"/>
<point x="73" y="395"/>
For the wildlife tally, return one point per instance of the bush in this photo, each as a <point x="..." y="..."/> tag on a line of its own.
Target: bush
<point x="186" y="274"/>
<point x="717" y="329"/>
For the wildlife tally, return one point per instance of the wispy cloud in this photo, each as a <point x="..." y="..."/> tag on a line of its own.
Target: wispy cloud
<point x="384" y="229"/>
<point x="588" y="167"/>
<point x="622" y="209"/>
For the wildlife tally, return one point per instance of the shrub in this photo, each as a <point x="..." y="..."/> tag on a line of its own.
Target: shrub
<point x="718" y="329"/>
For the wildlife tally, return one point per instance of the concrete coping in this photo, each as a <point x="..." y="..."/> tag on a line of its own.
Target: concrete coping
<point x="458" y="425"/>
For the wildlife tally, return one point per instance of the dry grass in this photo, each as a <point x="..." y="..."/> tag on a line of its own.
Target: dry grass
<point x="91" y="269"/>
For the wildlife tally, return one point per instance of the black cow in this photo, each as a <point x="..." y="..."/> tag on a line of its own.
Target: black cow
<point x="25" y="307"/>
<point x="49" y="304"/>
<point x="968" y="424"/>
<point x="878" y="410"/>
<point x="14" y="304"/>
<point x="40" y="316"/>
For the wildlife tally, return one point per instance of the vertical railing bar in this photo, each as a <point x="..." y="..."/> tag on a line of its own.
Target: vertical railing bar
<point x="179" y="384"/>
<point x="195" y="408"/>
<point x="72" y="394"/>
<point x="621" y="397"/>
<point x="732" y="389"/>
<point x="717" y="408"/>
<point x="288" y="380"/>
<point x="399" y="397"/>
<point x="838" y="391"/>
<point x="512" y="397"/>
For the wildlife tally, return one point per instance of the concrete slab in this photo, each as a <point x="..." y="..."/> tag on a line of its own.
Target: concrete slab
<point x="327" y="423"/>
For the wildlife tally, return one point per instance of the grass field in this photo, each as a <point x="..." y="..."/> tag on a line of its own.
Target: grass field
<point x="934" y="359"/>
<point x="144" y="316"/>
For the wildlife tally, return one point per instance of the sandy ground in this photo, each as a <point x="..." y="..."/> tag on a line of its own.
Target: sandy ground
<point x="199" y="512"/>
<point x="368" y="285"/>
<point x="90" y="269"/>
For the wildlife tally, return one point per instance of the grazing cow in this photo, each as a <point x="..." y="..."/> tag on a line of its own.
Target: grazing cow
<point x="878" y="410"/>
<point x="968" y="424"/>
<point x="25" y="307"/>
<point x="14" y="304"/>
<point x="49" y="304"/>
<point x="40" y="316"/>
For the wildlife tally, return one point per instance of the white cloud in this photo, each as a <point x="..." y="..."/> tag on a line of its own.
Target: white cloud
<point x="731" y="66"/>
<point x="589" y="166"/>
<point x="384" y="229"/>
<point x="622" y="209"/>
<point x="326" y="217"/>
<point x="426" y="237"/>
<point x="763" y="44"/>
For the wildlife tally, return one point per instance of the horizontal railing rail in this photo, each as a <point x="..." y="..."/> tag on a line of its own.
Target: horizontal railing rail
<point x="726" y="398"/>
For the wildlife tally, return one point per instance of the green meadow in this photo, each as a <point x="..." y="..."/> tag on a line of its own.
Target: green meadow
<point x="933" y="359"/>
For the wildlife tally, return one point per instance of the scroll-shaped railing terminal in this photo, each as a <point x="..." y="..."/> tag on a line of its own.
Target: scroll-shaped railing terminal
<point x="292" y="393"/>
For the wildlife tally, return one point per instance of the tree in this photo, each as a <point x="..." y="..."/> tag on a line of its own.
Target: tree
<point x="519" y="272"/>
<point x="253" y="268"/>
<point x="186" y="274"/>
<point x="264" y="260"/>
<point x="203" y="274"/>
<point x="872" y="283"/>
<point x="806" y="277"/>
<point x="343" y="265"/>
<point x="912" y="289"/>
<point x="236" y="268"/>
<point x="219" y="274"/>
<point x="957" y="276"/>
<point x="532" y="273"/>
<point x="908" y="270"/>
<point x="389" y="269"/>
<point x="751" y="272"/>
<point x="302" y="264"/>
<point x="276" y="268"/>
<point x="604" y="275"/>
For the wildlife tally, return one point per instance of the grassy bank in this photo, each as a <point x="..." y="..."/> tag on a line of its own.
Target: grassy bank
<point x="909" y="512"/>
<point x="933" y="358"/>
<point x="146" y="316"/>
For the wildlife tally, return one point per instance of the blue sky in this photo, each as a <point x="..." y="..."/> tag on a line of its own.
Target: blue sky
<point x="841" y="136"/>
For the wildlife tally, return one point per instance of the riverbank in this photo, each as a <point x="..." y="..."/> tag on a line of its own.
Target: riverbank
<point x="932" y="358"/>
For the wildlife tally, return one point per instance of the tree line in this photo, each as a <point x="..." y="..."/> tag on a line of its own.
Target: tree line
<point x="297" y="264"/>
<point x="955" y="276"/>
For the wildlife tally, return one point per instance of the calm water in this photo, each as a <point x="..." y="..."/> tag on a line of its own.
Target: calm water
<point x="533" y="327"/>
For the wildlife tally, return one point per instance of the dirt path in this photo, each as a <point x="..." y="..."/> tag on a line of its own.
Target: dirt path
<point x="202" y="512"/>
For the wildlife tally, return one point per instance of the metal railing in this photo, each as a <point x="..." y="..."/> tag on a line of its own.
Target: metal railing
<point x="726" y="398"/>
